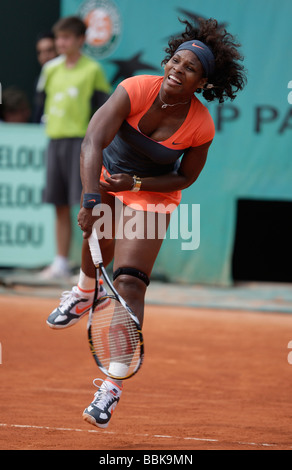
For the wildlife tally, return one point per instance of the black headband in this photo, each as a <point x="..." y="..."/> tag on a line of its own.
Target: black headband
<point x="203" y="52"/>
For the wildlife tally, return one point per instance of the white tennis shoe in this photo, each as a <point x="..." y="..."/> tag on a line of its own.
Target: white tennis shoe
<point x="100" y="411"/>
<point x="73" y="307"/>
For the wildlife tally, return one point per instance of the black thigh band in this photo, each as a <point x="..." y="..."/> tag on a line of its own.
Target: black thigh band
<point x="132" y="272"/>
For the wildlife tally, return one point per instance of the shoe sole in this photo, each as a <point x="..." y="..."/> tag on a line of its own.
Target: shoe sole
<point x="90" y="419"/>
<point x="76" y="320"/>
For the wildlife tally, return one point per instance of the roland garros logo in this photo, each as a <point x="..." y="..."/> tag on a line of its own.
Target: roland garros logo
<point x="103" y="23"/>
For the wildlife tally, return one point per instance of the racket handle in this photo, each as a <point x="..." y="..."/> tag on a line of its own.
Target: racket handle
<point x="95" y="248"/>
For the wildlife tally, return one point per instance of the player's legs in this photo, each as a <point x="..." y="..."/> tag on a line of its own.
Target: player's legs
<point x="138" y="248"/>
<point x="135" y="243"/>
<point x="133" y="249"/>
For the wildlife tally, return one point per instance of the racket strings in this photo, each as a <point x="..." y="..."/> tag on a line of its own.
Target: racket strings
<point x="116" y="339"/>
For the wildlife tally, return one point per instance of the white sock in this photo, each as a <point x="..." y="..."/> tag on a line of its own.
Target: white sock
<point x="119" y="369"/>
<point x="86" y="285"/>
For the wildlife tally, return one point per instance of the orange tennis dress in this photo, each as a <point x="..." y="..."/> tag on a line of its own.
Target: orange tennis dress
<point x="133" y="152"/>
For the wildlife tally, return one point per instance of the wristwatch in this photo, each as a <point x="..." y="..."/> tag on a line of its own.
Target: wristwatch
<point x="136" y="184"/>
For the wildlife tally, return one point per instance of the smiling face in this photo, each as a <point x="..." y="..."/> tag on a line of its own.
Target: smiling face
<point x="183" y="75"/>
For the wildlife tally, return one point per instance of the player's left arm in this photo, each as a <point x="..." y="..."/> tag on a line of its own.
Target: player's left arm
<point x="192" y="164"/>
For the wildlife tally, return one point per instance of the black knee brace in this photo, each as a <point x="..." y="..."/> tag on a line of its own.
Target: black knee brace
<point x="132" y="272"/>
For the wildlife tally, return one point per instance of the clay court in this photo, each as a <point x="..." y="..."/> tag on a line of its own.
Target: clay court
<point x="212" y="379"/>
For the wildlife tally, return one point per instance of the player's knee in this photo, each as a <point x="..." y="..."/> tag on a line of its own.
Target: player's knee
<point x="129" y="286"/>
<point x="132" y="272"/>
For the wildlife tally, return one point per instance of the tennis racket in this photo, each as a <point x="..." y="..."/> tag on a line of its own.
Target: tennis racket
<point x="114" y="332"/>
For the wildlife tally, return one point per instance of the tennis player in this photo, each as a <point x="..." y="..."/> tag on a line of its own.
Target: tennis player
<point x="144" y="146"/>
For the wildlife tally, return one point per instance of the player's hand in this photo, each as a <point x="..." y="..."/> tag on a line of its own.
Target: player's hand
<point x="117" y="183"/>
<point x="85" y="221"/>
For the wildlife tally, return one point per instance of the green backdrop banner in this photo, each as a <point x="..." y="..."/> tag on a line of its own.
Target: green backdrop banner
<point x="26" y="225"/>
<point x="250" y="156"/>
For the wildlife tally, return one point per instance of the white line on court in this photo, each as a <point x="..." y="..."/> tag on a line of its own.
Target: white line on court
<point x="157" y="436"/>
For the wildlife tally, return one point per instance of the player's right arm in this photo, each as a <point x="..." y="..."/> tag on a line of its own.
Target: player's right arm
<point x="102" y="128"/>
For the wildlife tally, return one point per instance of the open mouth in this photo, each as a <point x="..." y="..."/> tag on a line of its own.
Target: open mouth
<point x="174" y="79"/>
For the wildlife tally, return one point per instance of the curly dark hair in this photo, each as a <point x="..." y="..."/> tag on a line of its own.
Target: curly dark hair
<point x="229" y="76"/>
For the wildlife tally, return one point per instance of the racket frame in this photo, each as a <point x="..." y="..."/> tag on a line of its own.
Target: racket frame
<point x="99" y="267"/>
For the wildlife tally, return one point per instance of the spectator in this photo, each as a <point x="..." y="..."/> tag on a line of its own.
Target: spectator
<point x="15" y="106"/>
<point x="45" y="47"/>
<point x="73" y="86"/>
<point x="46" y="50"/>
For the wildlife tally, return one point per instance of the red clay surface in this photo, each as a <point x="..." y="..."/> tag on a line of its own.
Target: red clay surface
<point x="210" y="380"/>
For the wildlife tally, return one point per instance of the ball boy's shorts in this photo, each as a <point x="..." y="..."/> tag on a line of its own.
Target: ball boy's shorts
<point x="63" y="182"/>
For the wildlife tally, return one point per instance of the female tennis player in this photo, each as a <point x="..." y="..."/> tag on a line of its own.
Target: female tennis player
<point x="146" y="144"/>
